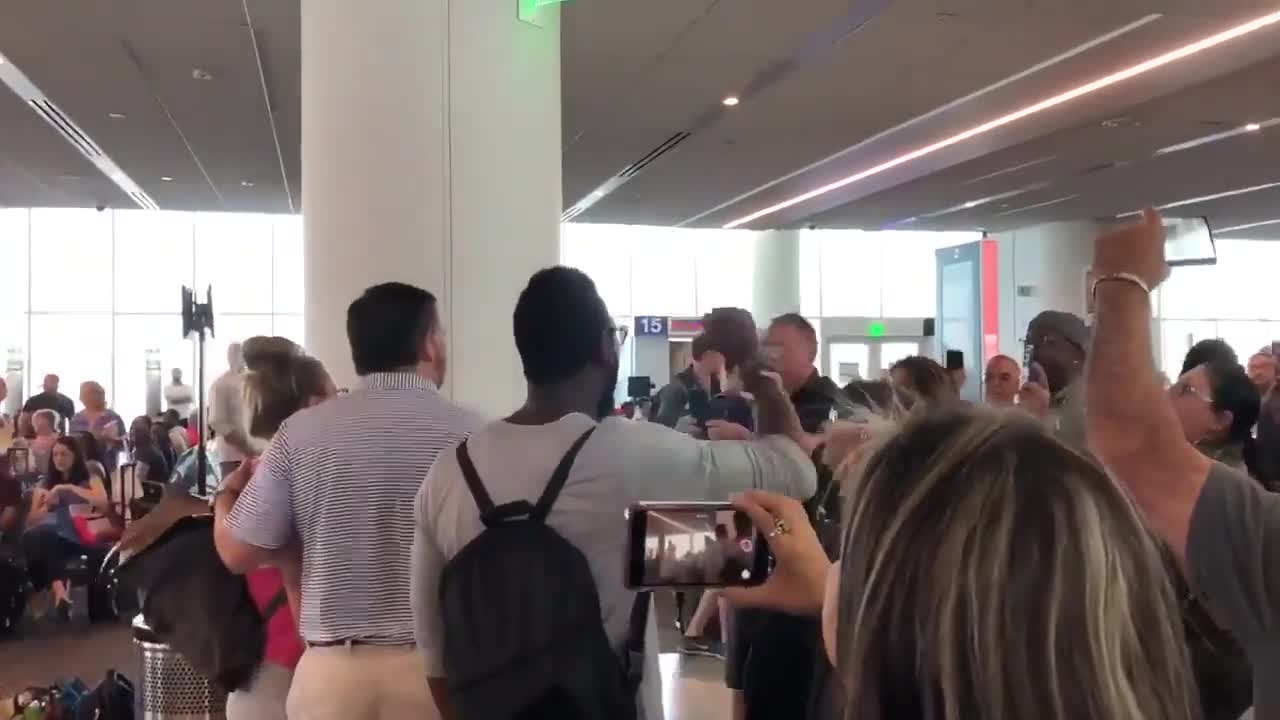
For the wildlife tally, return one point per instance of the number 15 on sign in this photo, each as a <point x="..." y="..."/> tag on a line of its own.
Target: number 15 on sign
<point x="648" y="326"/>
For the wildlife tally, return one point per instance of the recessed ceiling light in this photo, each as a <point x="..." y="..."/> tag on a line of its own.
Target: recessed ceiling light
<point x="1253" y="127"/>
<point x="116" y="115"/>
<point x="246" y="183"/>
<point x="1106" y="81"/>
<point x="730" y="101"/>
<point x="201" y="74"/>
<point x="166" y="178"/>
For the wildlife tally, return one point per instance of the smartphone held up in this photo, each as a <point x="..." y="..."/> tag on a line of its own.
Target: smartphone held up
<point x="695" y="544"/>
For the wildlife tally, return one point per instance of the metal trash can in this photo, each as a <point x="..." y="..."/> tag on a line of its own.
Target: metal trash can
<point x="169" y="688"/>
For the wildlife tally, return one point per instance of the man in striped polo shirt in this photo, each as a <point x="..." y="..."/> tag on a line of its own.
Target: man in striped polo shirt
<point x="340" y="479"/>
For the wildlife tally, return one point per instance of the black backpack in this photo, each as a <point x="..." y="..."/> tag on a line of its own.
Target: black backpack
<point x="523" y="634"/>
<point x="191" y="601"/>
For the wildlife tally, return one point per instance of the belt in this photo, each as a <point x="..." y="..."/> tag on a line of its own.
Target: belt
<point x="359" y="642"/>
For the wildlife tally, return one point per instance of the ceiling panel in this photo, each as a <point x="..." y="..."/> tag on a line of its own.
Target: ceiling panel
<point x="1110" y="170"/>
<point x="635" y="73"/>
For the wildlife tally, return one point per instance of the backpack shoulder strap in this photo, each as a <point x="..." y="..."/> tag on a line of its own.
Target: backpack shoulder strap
<point x="478" y="493"/>
<point x="558" y="479"/>
<point x="633" y="657"/>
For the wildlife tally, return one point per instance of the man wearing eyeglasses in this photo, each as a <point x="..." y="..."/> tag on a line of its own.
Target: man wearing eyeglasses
<point x="1058" y="344"/>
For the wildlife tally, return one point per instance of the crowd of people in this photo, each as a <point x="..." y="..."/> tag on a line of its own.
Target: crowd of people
<point x="1090" y="541"/>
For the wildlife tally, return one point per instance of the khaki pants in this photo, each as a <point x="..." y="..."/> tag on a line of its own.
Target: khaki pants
<point x="364" y="682"/>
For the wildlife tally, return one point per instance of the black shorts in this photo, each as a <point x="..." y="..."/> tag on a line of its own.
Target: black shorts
<point x="771" y="659"/>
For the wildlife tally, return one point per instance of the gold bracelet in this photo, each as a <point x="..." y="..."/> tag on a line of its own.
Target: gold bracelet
<point x="1119" y="277"/>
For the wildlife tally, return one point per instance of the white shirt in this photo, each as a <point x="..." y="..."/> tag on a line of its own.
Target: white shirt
<point x="180" y="397"/>
<point x="623" y="462"/>
<point x="226" y="414"/>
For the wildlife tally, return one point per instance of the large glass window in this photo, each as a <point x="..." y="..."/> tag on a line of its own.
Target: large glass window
<point x="70" y="260"/>
<point x="135" y="337"/>
<point x="234" y="255"/>
<point x="850" y="273"/>
<point x="106" y="291"/>
<point x="1227" y="300"/>
<point x="810" y="275"/>
<point x="288" y="326"/>
<point x="77" y="348"/>
<point x="13" y="308"/>
<point x="153" y="260"/>
<point x="724" y="263"/>
<point x="604" y="253"/>
<point x="287" y="293"/>
<point x="663" y="280"/>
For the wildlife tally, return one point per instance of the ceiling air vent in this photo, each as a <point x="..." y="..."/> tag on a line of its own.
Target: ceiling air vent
<point x="663" y="148"/>
<point x="48" y="111"/>
<point x="1103" y="167"/>
<point x="69" y="130"/>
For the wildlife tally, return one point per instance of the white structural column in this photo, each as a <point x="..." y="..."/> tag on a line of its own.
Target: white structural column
<point x="430" y="155"/>
<point x="775" y="285"/>
<point x="1042" y="268"/>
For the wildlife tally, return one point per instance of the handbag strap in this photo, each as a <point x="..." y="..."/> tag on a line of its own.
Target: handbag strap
<point x="277" y="601"/>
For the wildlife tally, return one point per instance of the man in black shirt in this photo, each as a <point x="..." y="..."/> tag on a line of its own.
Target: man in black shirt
<point x="53" y="400"/>
<point x="773" y="656"/>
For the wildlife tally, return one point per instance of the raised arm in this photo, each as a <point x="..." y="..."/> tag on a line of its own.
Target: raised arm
<point x="661" y="464"/>
<point x="1132" y="427"/>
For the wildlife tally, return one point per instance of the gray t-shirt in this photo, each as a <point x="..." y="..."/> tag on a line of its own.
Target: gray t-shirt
<point x="1233" y="557"/>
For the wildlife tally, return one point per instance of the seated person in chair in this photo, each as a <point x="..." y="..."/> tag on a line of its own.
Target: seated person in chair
<point x="46" y="426"/>
<point x="51" y="538"/>
<point x="153" y="467"/>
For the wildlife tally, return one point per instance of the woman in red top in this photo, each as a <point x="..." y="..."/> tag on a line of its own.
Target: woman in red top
<point x="280" y="380"/>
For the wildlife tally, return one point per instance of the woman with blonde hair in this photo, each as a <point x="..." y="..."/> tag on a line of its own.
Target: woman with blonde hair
<point x="280" y="379"/>
<point x="987" y="572"/>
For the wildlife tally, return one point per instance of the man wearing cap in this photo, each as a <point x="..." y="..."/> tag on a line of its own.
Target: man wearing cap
<point x="1059" y="343"/>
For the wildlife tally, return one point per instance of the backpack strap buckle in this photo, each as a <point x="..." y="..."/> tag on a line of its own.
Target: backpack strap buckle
<point x="517" y="510"/>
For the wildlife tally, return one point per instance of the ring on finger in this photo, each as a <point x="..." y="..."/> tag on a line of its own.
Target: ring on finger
<point x="779" y="528"/>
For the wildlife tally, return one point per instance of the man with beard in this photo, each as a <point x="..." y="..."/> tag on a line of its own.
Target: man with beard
<point x="569" y="348"/>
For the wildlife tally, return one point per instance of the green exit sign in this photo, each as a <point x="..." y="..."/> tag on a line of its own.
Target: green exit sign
<point x="529" y="10"/>
<point x="875" y="329"/>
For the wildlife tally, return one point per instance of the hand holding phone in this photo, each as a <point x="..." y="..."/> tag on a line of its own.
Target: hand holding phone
<point x="1036" y="374"/>
<point x="1034" y="396"/>
<point x="693" y="544"/>
<point x="798" y="582"/>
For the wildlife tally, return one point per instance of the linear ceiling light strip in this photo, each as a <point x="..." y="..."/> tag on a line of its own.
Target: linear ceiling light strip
<point x="1249" y="226"/>
<point x="1205" y="198"/>
<point x="1050" y="102"/>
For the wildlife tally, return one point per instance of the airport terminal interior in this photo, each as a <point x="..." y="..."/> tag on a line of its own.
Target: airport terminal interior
<point x="906" y="190"/>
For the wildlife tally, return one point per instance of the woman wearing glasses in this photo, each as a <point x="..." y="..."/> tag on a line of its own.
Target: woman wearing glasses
<point x="1218" y="407"/>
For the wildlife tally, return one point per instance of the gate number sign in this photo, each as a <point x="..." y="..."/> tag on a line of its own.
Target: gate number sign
<point x="648" y="326"/>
